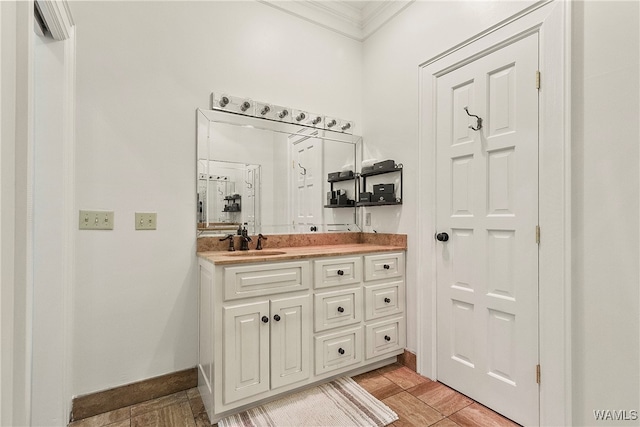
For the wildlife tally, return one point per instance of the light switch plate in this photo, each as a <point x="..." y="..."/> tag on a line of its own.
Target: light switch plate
<point x="95" y="220"/>
<point x="146" y="220"/>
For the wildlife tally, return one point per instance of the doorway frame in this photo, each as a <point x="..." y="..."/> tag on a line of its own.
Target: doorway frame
<point x="551" y="21"/>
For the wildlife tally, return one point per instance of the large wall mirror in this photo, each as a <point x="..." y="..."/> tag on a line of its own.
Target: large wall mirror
<point x="273" y="177"/>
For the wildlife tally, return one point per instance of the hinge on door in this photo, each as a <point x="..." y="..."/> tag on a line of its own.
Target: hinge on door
<point x="538" y="234"/>
<point x="537" y="374"/>
<point x="537" y="79"/>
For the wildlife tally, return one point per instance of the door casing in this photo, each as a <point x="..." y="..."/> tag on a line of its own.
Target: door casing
<point x="551" y="21"/>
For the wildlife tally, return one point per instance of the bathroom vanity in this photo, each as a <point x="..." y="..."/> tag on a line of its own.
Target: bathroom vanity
<point x="282" y="319"/>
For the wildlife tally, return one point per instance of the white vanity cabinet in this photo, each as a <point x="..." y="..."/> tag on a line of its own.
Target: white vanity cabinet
<point x="265" y="345"/>
<point x="272" y="327"/>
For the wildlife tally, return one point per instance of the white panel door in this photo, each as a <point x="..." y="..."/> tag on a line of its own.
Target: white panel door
<point x="290" y="340"/>
<point x="308" y="183"/>
<point x="246" y="350"/>
<point x="487" y="203"/>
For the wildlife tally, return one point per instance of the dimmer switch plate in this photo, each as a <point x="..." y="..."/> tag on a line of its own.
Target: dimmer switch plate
<point x="95" y="220"/>
<point x="146" y="220"/>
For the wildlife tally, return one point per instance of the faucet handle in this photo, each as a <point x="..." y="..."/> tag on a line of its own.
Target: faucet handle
<point x="260" y="239"/>
<point x="230" y="238"/>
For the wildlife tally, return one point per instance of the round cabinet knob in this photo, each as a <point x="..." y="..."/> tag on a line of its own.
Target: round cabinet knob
<point x="340" y="309"/>
<point x="276" y="317"/>
<point x="387" y="338"/>
<point x="442" y="237"/>
<point x="387" y="300"/>
<point x="341" y="350"/>
<point x="340" y="273"/>
<point x="386" y="266"/>
<point x="265" y="319"/>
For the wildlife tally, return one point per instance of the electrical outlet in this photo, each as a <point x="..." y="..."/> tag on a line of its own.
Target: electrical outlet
<point x="146" y="220"/>
<point x="367" y="219"/>
<point x="95" y="220"/>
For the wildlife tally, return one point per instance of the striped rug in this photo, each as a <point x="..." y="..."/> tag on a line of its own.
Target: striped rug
<point x="341" y="402"/>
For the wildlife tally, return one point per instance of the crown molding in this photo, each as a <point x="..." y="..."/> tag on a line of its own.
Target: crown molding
<point x="341" y="16"/>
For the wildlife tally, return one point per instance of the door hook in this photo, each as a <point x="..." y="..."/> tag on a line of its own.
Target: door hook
<point x="304" y="170"/>
<point x="479" y="125"/>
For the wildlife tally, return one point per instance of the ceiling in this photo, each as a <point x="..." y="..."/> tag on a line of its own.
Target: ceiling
<point x="357" y="19"/>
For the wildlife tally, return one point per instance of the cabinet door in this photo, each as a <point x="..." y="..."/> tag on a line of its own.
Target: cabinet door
<point x="246" y="350"/>
<point x="290" y="340"/>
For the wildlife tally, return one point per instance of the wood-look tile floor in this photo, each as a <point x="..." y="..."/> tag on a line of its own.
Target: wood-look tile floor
<point x="417" y="400"/>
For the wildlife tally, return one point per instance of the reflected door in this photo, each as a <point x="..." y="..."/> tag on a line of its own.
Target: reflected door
<point x="487" y="202"/>
<point x="307" y="183"/>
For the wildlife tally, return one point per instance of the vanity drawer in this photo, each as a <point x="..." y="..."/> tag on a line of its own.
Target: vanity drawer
<point x="337" y="308"/>
<point x="265" y="279"/>
<point x="337" y="271"/>
<point x="383" y="266"/>
<point x="385" y="337"/>
<point x="384" y="299"/>
<point x="335" y="351"/>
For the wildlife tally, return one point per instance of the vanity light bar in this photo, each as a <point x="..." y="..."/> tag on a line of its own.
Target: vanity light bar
<point x="278" y="113"/>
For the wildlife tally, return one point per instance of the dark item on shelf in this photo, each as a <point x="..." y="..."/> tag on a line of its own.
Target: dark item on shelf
<point x="330" y="196"/>
<point x="367" y="169"/>
<point x="366" y="196"/>
<point x="346" y="174"/>
<point x="233" y="207"/>
<point x="333" y="175"/>
<point x="342" y="199"/>
<point x="384" y="197"/>
<point x="383" y="189"/>
<point x="384" y="165"/>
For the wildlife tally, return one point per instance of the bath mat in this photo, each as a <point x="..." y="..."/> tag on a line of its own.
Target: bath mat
<point x="340" y="403"/>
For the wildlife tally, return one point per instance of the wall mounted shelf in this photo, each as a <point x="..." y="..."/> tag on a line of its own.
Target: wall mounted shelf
<point x="344" y="179"/>
<point x="364" y="175"/>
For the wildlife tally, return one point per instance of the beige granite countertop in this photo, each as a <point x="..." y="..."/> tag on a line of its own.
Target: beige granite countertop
<point x="291" y="253"/>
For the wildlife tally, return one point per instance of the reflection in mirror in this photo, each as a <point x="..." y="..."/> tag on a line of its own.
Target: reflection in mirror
<point x="228" y="196"/>
<point x="272" y="177"/>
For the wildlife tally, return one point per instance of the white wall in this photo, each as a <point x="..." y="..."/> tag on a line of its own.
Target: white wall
<point x="605" y="145"/>
<point x="391" y="97"/>
<point x="605" y="180"/>
<point x="142" y="70"/>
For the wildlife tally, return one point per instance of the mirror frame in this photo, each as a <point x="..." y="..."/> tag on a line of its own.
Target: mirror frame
<point x="249" y="122"/>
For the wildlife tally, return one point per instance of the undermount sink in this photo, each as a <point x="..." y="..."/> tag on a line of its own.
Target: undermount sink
<point x="255" y="253"/>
